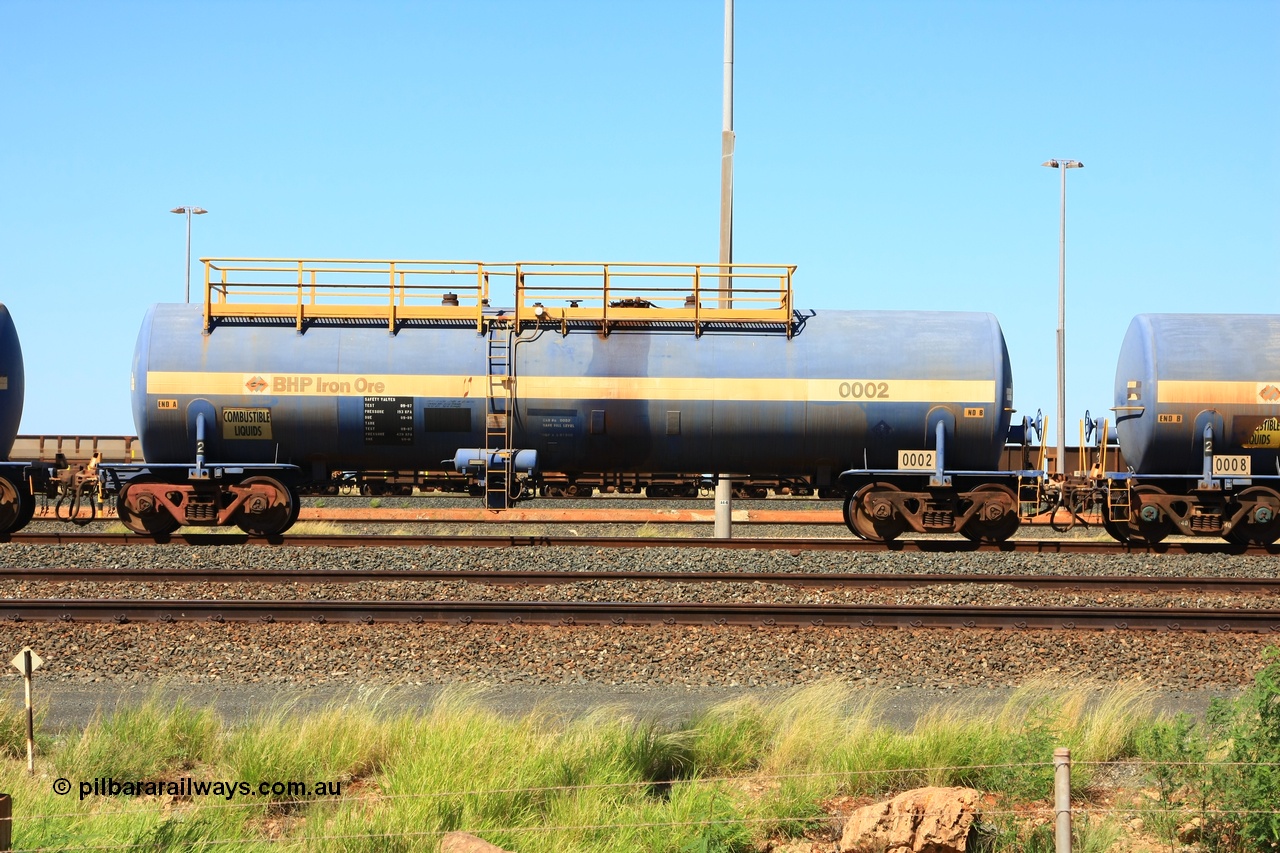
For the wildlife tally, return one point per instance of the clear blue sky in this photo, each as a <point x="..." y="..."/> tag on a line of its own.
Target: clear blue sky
<point x="891" y="149"/>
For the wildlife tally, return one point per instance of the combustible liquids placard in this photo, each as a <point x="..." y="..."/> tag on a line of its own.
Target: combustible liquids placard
<point x="246" y="423"/>
<point x="388" y="420"/>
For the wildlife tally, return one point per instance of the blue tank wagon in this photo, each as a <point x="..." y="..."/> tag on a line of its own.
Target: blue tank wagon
<point x="17" y="505"/>
<point x="1197" y="404"/>
<point x="595" y="368"/>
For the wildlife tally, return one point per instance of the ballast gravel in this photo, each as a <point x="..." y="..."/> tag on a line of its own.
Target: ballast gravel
<point x="726" y="656"/>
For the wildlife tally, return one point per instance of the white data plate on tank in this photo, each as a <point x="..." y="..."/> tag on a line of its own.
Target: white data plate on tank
<point x="917" y="460"/>
<point x="1232" y="466"/>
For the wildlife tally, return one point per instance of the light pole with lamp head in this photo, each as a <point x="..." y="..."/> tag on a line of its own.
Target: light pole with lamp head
<point x="188" y="210"/>
<point x="1062" y="312"/>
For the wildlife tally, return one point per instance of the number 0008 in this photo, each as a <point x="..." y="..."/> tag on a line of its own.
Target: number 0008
<point x="1237" y="466"/>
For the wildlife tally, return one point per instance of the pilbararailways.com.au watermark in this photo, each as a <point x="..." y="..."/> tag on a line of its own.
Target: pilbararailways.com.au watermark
<point x="188" y="787"/>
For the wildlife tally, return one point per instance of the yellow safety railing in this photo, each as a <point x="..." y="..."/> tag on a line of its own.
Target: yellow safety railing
<point x="310" y="289"/>
<point x="546" y="292"/>
<point x="632" y="293"/>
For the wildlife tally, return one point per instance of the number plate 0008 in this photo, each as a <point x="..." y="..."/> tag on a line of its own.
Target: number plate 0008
<point x="1232" y="466"/>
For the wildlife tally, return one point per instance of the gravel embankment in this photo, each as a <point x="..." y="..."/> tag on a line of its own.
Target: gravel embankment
<point x="314" y="655"/>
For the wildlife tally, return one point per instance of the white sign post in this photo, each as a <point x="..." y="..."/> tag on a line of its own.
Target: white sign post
<point x="27" y="662"/>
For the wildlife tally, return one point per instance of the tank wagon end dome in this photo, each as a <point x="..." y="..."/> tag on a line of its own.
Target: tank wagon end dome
<point x="12" y="382"/>
<point x="1178" y="373"/>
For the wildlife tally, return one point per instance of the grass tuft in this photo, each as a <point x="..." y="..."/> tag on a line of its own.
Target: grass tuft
<point x="158" y="737"/>
<point x="315" y="528"/>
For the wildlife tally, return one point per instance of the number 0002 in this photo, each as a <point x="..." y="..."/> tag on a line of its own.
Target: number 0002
<point x="864" y="390"/>
<point x="917" y="460"/>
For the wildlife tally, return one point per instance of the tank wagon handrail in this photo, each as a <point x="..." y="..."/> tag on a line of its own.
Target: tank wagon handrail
<point x="303" y="289"/>
<point x="620" y="297"/>
<point x="77" y="448"/>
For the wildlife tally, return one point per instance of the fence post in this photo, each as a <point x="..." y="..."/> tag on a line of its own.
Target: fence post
<point x="6" y="822"/>
<point x="1062" y="800"/>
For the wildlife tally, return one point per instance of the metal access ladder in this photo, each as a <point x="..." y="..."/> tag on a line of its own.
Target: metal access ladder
<point x="1031" y="491"/>
<point x="500" y="396"/>
<point x="1119" y="500"/>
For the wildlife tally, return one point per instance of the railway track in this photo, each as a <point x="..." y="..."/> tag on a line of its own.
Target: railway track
<point x="621" y="512"/>
<point x="616" y="614"/>
<point x="1072" y="583"/>
<point x="931" y="545"/>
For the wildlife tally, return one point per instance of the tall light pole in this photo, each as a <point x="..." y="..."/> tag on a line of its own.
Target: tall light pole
<point x="1062" y="165"/>
<point x="723" y="524"/>
<point x="188" y="210"/>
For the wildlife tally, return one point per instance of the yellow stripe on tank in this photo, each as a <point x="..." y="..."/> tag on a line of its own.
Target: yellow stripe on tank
<point x="576" y="387"/>
<point x="1211" y="393"/>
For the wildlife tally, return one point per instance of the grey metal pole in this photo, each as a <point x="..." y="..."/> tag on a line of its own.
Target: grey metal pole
<point x="1062" y="329"/>
<point x="726" y="164"/>
<point x="1062" y="311"/>
<point x="188" y="299"/>
<point x="189" y="209"/>
<point x="724" y="485"/>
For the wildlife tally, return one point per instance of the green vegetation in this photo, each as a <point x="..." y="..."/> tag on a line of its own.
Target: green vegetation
<point x="726" y="780"/>
<point x="1221" y="779"/>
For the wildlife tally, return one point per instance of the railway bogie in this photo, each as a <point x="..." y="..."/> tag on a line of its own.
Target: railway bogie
<point x="157" y="501"/>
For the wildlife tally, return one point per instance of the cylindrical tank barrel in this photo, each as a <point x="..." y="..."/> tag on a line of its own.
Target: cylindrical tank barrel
<point x="848" y="389"/>
<point x="1180" y="373"/>
<point x="12" y="384"/>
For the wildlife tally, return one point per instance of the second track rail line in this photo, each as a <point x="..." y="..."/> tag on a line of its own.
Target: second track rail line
<point x="560" y="613"/>
<point x="360" y="540"/>
<point x="1091" y="583"/>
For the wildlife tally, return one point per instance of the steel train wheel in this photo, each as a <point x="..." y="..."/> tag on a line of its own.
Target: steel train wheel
<point x="156" y="521"/>
<point x="1152" y="531"/>
<point x="28" y="512"/>
<point x="275" y="518"/>
<point x="16" y="506"/>
<point x="993" y="530"/>
<point x="859" y="514"/>
<point x="1255" y="532"/>
<point x="1117" y="530"/>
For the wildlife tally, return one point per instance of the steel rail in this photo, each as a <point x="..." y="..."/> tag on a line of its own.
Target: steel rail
<point x="560" y="613"/>
<point x="523" y="577"/>
<point x="797" y="545"/>
<point x="623" y="515"/>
